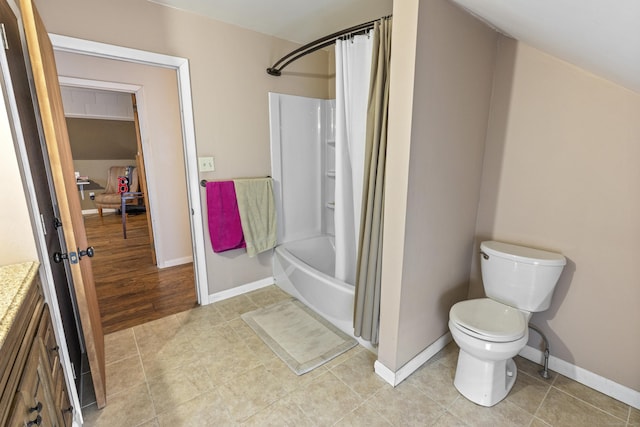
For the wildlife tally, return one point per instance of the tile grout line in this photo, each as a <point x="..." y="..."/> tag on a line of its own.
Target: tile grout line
<point x="146" y="379"/>
<point x="535" y="413"/>
<point x="591" y="404"/>
<point x="439" y="364"/>
<point x="552" y="386"/>
<point x="364" y="400"/>
<point x="451" y="413"/>
<point x="261" y="363"/>
<point x="547" y="383"/>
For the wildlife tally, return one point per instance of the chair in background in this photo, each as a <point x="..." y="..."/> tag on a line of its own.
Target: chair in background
<point x="127" y="200"/>
<point x="111" y="198"/>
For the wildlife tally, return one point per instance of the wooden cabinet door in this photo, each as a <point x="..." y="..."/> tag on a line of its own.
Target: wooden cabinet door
<point x="58" y="385"/>
<point x="34" y="401"/>
<point x="54" y="128"/>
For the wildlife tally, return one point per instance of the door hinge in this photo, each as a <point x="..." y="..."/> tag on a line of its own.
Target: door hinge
<point x="5" y="42"/>
<point x="58" y="257"/>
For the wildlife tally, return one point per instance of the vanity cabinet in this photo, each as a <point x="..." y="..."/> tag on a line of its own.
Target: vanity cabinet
<point x="32" y="384"/>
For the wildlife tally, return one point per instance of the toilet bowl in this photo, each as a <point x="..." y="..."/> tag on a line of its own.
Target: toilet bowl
<point x="491" y="331"/>
<point x="489" y="335"/>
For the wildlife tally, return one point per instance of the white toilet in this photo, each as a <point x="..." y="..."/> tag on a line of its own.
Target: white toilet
<point x="518" y="281"/>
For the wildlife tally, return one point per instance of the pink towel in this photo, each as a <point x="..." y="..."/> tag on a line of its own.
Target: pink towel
<point x="225" y="228"/>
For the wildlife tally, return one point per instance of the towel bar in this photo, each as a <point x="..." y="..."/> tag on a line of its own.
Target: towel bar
<point x="203" y="182"/>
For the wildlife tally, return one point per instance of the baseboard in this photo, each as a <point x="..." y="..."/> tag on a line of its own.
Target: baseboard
<point x="176" y="261"/>
<point x="395" y="378"/>
<point x="242" y="289"/>
<point x="603" y="385"/>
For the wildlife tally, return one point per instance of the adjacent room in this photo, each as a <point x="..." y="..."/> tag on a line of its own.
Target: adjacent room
<point x="103" y="133"/>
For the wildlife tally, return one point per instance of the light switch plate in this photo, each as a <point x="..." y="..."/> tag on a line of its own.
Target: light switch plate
<point x="205" y="164"/>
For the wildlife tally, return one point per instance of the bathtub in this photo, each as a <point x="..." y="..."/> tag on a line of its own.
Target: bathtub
<point x="305" y="269"/>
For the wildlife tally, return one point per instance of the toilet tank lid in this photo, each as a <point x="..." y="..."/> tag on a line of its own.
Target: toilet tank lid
<point x="522" y="253"/>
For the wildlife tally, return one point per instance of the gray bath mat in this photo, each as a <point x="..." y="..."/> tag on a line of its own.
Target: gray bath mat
<point x="299" y="336"/>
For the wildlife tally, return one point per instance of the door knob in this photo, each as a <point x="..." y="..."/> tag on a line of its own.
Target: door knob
<point x="36" y="408"/>
<point x="36" y="422"/>
<point x="89" y="252"/>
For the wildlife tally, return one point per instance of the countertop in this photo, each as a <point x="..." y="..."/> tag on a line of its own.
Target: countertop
<point x="15" y="280"/>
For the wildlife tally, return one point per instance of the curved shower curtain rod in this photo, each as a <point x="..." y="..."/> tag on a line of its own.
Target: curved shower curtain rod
<point x="276" y="69"/>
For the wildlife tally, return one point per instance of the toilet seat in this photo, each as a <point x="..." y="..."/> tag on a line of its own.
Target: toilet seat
<point x="488" y="320"/>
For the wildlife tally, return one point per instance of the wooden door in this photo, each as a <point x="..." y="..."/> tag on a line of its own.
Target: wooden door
<point x="142" y="178"/>
<point x="54" y="128"/>
<point x="41" y="177"/>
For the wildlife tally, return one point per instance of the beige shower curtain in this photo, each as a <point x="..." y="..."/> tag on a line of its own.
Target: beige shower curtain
<point x="367" y="302"/>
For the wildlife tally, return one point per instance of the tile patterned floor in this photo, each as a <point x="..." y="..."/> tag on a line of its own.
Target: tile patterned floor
<point x="206" y="367"/>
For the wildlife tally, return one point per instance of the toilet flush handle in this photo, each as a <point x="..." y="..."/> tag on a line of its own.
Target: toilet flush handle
<point x="484" y="255"/>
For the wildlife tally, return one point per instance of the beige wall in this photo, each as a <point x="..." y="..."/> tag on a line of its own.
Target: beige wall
<point x="454" y="61"/>
<point x="562" y="173"/>
<point x="403" y="58"/>
<point x="229" y="85"/>
<point x="94" y="139"/>
<point x="17" y="242"/>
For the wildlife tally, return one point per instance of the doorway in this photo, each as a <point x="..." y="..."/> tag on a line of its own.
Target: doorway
<point x="180" y="67"/>
<point x="104" y="136"/>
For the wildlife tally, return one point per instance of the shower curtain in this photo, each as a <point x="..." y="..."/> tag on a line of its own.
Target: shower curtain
<point x="353" y="69"/>
<point x="366" y="316"/>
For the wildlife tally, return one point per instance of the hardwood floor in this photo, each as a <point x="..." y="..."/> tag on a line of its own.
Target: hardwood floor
<point x="131" y="289"/>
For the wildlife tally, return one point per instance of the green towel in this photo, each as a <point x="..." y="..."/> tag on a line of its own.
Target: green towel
<point x="257" y="213"/>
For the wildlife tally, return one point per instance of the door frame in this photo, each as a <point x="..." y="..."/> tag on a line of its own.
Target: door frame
<point x="181" y="66"/>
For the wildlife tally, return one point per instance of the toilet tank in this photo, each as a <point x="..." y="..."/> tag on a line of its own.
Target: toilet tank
<point x="519" y="276"/>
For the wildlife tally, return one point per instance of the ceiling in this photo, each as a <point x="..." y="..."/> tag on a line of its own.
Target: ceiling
<point x="300" y="21"/>
<point x="602" y="36"/>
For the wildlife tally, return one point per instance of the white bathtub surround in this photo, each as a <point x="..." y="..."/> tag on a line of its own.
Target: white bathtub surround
<point x="302" y="165"/>
<point x="353" y="70"/>
<point x="303" y="171"/>
<point x="304" y="269"/>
